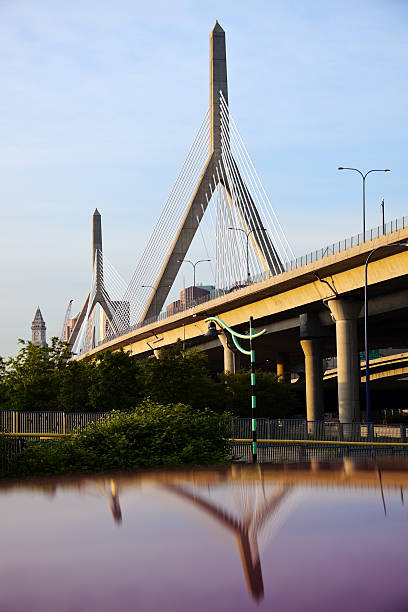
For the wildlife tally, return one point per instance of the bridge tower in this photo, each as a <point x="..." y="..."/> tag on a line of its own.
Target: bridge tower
<point x="98" y="294"/>
<point x="213" y="173"/>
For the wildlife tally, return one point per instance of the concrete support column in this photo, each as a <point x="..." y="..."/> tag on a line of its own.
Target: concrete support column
<point x="345" y="313"/>
<point x="283" y="368"/>
<point x="229" y="355"/>
<point x="312" y="349"/>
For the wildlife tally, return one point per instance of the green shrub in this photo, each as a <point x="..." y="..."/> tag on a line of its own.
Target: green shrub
<point x="153" y="435"/>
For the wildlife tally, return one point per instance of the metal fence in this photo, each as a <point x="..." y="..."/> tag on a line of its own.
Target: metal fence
<point x="300" y="429"/>
<point x="268" y="429"/>
<point x="297" y="453"/>
<point x="275" y="430"/>
<point x="48" y="422"/>
<point x="331" y="249"/>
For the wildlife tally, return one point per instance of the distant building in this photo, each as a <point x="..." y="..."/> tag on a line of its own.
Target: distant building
<point x="206" y="287"/>
<point x="173" y="308"/>
<point x="67" y="330"/>
<point x="191" y="295"/>
<point x="38" y="330"/>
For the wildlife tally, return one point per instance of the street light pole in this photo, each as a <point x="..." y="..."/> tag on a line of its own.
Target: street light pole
<point x="363" y="176"/>
<point x="212" y="332"/>
<point x="383" y="214"/>
<point x="194" y="266"/>
<point x="403" y="243"/>
<point x="247" y="234"/>
<point x="194" y="269"/>
<point x="253" y="393"/>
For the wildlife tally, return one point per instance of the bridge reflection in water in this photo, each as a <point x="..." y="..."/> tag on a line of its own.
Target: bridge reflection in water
<point x="251" y="503"/>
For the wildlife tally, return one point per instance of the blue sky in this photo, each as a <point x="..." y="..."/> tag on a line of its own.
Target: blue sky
<point x="100" y="102"/>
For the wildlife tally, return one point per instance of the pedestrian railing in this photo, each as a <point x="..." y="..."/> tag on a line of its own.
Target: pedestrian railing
<point x="57" y="422"/>
<point x="278" y="452"/>
<point x="327" y="431"/>
<point x="279" y="439"/>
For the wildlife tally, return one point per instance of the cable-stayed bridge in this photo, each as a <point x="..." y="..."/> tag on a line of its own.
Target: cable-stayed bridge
<point x="219" y="208"/>
<point x="217" y="199"/>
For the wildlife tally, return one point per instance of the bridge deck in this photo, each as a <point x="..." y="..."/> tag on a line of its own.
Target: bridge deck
<point x="279" y="298"/>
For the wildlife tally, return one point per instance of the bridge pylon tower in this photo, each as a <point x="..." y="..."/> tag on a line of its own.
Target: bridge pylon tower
<point x="214" y="172"/>
<point x="98" y="294"/>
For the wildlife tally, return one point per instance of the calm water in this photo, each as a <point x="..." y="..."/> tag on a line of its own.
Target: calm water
<point x="304" y="537"/>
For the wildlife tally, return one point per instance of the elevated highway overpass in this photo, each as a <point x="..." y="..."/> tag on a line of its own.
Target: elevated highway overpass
<point x="310" y="312"/>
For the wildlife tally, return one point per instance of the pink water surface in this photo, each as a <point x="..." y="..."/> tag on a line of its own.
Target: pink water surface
<point x="176" y="543"/>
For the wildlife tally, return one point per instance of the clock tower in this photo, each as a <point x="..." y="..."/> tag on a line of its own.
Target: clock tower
<point x="38" y="330"/>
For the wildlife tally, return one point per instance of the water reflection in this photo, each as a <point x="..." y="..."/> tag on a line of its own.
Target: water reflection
<point x="245" y="507"/>
<point x="245" y="526"/>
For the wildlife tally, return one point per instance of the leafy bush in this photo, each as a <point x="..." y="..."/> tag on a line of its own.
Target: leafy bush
<point x="152" y="435"/>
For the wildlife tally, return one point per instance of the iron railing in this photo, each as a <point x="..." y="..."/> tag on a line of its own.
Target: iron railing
<point x="56" y="422"/>
<point x="290" y="439"/>
<point x="335" y="247"/>
<point x="328" y="431"/>
<point x="49" y="422"/>
<point x="273" y="452"/>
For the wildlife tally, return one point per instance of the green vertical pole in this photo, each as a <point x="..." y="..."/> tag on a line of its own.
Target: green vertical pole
<point x="253" y="396"/>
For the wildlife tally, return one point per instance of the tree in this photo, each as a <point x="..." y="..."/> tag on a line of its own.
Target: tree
<point x="76" y="380"/>
<point x="181" y="376"/>
<point x="116" y="383"/>
<point x="273" y="398"/>
<point x="30" y="381"/>
<point x="3" y="384"/>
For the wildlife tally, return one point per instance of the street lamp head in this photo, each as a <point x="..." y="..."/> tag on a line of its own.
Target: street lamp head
<point x="387" y="170"/>
<point x="340" y="168"/>
<point x="212" y="331"/>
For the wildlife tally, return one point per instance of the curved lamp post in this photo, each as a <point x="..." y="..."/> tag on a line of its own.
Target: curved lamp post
<point x="194" y="266"/>
<point x="363" y="176"/>
<point x="403" y="243"/>
<point x="212" y="332"/>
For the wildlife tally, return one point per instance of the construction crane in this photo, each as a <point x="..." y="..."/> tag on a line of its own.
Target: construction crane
<point x="67" y="315"/>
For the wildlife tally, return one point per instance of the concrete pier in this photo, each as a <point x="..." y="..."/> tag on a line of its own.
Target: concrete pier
<point x="283" y="368"/>
<point x="345" y="313"/>
<point x="229" y="355"/>
<point x="311" y="340"/>
<point x="312" y="349"/>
